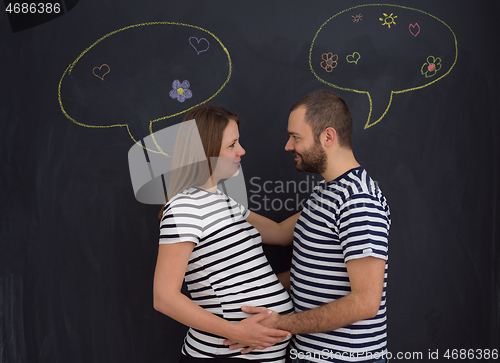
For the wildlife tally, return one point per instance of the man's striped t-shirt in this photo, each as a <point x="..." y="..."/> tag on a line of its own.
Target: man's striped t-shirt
<point x="344" y="219"/>
<point x="227" y="268"/>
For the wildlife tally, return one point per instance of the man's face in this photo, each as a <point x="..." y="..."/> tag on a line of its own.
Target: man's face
<point x="309" y="153"/>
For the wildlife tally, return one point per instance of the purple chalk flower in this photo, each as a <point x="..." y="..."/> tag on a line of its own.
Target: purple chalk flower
<point x="180" y="90"/>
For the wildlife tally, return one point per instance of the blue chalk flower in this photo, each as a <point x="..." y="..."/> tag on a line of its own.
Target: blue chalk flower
<point x="180" y="90"/>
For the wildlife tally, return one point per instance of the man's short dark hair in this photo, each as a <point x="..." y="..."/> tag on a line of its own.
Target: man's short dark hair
<point x="325" y="108"/>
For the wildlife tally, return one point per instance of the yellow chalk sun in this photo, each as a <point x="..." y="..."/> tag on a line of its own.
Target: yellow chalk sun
<point x="389" y="19"/>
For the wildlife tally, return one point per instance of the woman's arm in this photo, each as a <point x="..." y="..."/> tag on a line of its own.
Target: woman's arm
<point x="274" y="233"/>
<point x="169" y="300"/>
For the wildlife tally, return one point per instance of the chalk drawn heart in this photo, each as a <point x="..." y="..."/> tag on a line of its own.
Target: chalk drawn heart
<point x="353" y="58"/>
<point x="414" y="29"/>
<point x="101" y="71"/>
<point x="200" y="44"/>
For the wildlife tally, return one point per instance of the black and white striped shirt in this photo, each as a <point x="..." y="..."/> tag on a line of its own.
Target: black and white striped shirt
<point x="227" y="268"/>
<point x="344" y="219"/>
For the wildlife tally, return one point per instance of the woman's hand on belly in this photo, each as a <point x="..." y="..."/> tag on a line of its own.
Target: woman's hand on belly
<point x="255" y="332"/>
<point x="251" y="334"/>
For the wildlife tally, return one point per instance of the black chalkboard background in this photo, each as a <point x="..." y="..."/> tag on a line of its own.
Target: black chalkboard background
<point x="78" y="252"/>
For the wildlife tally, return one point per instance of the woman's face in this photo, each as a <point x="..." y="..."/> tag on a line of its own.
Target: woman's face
<point x="230" y="152"/>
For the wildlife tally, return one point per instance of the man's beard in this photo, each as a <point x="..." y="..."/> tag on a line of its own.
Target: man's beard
<point x="312" y="160"/>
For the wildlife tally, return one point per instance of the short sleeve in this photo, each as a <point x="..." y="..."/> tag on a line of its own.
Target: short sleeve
<point x="181" y="222"/>
<point x="364" y="228"/>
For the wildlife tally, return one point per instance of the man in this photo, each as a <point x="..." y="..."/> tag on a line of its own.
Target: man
<point x="339" y="264"/>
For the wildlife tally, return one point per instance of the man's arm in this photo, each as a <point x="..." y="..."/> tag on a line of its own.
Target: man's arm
<point x="367" y="283"/>
<point x="366" y="276"/>
<point x="274" y="233"/>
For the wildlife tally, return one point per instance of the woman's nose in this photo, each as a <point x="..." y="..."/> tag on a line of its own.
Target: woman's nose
<point x="241" y="151"/>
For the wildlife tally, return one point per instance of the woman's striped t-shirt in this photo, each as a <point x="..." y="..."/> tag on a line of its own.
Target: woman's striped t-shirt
<point x="227" y="268"/>
<point x="344" y="219"/>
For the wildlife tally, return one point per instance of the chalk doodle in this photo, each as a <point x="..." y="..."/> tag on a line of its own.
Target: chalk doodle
<point x="414" y="29"/>
<point x="140" y="92"/>
<point x="388" y="20"/>
<point x="353" y="58"/>
<point x="199" y="48"/>
<point x="180" y="90"/>
<point x="356" y="18"/>
<point x="329" y="61"/>
<point x="101" y="71"/>
<point x="431" y="66"/>
<point x="392" y="62"/>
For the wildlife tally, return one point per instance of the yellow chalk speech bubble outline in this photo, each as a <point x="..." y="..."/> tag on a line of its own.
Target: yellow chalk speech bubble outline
<point x="368" y="124"/>
<point x="73" y="64"/>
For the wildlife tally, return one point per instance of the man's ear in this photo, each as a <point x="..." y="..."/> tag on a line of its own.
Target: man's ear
<point x="329" y="136"/>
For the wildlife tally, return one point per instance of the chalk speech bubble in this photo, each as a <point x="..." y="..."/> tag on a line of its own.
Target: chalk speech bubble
<point x="381" y="50"/>
<point x="141" y="74"/>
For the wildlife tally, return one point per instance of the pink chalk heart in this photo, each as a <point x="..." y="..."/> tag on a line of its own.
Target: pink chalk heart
<point x="414" y="29"/>
<point x="101" y="71"/>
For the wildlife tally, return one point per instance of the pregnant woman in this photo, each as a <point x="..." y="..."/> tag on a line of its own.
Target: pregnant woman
<point x="213" y="243"/>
